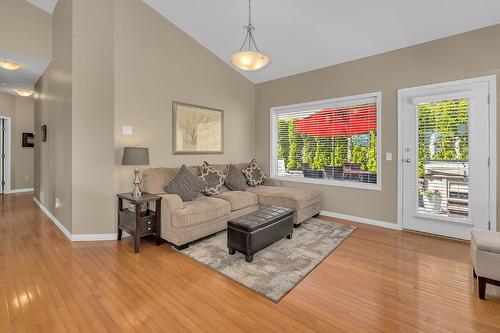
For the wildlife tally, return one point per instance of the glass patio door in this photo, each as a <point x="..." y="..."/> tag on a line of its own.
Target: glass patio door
<point x="445" y="158"/>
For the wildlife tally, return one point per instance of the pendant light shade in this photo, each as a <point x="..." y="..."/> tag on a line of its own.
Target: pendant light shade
<point x="250" y="59"/>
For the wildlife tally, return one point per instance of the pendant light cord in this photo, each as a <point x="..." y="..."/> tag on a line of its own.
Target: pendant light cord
<point x="249" y="13"/>
<point x="249" y="28"/>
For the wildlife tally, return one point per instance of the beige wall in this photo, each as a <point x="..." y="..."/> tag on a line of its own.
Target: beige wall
<point x="53" y="107"/>
<point x="93" y="122"/>
<point x="25" y="29"/>
<point x="155" y="64"/>
<point x="467" y="55"/>
<point x="21" y="112"/>
<point x="85" y="102"/>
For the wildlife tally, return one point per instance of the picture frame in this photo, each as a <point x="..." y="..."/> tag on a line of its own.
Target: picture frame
<point x="197" y="129"/>
<point x="43" y="135"/>
<point x="28" y="140"/>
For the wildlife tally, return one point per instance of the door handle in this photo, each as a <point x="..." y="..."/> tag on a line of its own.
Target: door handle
<point x="407" y="160"/>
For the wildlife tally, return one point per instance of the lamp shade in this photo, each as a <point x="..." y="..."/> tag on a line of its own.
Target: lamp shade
<point x="135" y="156"/>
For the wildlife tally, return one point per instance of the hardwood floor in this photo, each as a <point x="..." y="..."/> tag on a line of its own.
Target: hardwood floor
<point x="378" y="280"/>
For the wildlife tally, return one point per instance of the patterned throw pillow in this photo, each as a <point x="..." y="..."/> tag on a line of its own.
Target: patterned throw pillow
<point x="235" y="179"/>
<point x="255" y="176"/>
<point x="213" y="178"/>
<point x="185" y="184"/>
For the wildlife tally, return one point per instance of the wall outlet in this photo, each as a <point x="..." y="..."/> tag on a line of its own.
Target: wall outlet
<point x="26" y="178"/>
<point x="58" y="203"/>
<point x="388" y="156"/>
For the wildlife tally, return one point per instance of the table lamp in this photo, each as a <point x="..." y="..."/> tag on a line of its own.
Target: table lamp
<point x="136" y="156"/>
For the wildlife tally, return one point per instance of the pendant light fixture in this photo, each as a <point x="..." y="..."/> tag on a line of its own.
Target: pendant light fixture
<point x="250" y="59"/>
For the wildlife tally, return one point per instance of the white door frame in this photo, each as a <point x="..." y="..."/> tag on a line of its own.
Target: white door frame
<point x="492" y="110"/>
<point x="8" y="153"/>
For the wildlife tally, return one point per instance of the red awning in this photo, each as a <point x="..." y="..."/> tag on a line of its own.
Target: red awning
<point x="339" y="122"/>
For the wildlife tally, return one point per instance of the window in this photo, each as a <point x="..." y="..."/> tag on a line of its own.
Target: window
<point x="334" y="142"/>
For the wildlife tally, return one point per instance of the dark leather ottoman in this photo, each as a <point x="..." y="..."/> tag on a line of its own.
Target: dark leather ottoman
<point x="255" y="231"/>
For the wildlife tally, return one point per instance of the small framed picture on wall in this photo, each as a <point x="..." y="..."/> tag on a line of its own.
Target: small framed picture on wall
<point x="43" y="135"/>
<point x="28" y="140"/>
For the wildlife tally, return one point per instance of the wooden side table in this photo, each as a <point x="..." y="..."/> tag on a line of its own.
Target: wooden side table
<point x="139" y="224"/>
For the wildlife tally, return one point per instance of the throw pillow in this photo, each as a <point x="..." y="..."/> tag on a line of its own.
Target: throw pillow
<point x="185" y="184"/>
<point x="255" y="175"/>
<point x="235" y="179"/>
<point x="213" y="178"/>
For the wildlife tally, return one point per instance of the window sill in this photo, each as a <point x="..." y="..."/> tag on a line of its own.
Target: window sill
<point x="330" y="182"/>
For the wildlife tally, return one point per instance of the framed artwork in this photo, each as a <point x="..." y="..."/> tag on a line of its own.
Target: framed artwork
<point x="28" y="140"/>
<point x="43" y="135"/>
<point x="197" y="129"/>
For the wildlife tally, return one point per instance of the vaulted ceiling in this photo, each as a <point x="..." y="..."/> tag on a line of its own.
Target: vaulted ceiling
<point x="302" y="35"/>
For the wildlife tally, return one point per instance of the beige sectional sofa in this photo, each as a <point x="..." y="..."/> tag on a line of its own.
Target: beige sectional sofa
<point x="184" y="222"/>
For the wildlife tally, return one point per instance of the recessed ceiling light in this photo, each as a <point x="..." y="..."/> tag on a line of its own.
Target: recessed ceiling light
<point x="9" y="65"/>
<point x="24" y="92"/>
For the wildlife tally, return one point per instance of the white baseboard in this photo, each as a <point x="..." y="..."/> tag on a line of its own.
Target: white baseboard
<point x="20" y="190"/>
<point x="53" y="218"/>
<point x="364" y="220"/>
<point x="77" y="237"/>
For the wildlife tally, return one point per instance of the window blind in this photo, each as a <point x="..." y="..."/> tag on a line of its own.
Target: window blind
<point x="335" y="142"/>
<point x="443" y="158"/>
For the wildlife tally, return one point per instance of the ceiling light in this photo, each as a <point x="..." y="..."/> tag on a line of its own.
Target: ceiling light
<point x="24" y="92"/>
<point x="9" y="65"/>
<point x="249" y="60"/>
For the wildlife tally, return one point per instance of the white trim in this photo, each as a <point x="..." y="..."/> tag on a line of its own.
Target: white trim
<point x="94" y="237"/>
<point x="77" y="237"/>
<point x="330" y="182"/>
<point x="491" y="79"/>
<point x="53" y="218"/>
<point x="339" y="101"/>
<point x="377" y="223"/>
<point x="19" y="190"/>
<point x="492" y="99"/>
<point x="440" y="97"/>
<point x="8" y="152"/>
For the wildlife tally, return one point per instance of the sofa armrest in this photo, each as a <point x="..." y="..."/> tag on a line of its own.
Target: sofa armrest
<point x="169" y="204"/>
<point x="272" y="182"/>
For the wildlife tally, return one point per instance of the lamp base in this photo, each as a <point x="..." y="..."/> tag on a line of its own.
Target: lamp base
<point x="137" y="181"/>
<point x="137" y="192"/>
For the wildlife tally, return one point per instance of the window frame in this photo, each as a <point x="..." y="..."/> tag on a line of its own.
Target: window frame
<point x="323" y="104"/>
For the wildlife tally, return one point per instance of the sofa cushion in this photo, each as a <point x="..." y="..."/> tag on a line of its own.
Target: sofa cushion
<point x="239" y="199"/>
<point x="254" y="174"/>
<point x="155" y="179"/>
<point x="201" y="210"/>
<point x="213" y="178"/>
<point x="235" y="179"/>
<point x="185" y="184"/>
<point x="289" y="197"/>
<point x="485" y="240"/>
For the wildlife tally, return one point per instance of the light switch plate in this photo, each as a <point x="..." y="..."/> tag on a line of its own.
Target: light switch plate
<point x="388" y="156"/>
<point x="127" y="130"/>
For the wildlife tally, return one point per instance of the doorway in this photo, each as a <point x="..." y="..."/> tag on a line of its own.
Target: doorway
<point x="447" y="142"/>
<point x="5" y="154"/>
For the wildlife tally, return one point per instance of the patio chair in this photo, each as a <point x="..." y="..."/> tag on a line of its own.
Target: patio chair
<point x="352" y="166"/>
<point x="335" y="172"/>
<point x="310" y="173"/>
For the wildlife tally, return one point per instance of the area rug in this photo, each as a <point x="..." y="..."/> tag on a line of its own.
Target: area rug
<point x="278" y="268"/>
